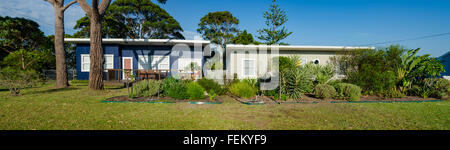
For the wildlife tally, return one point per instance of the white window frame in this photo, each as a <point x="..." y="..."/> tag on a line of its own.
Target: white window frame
<point x="82" y="62"/>
<point x="140" y="66"/>
<point x="251" y="75"/>
<point x="104" y="64"/>
<point x="151" y="62"/>
<point x="87" y="55"/>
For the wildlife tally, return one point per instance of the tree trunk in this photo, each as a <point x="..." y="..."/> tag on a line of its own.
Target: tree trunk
<point x="60" y="53"/>
<point x="96" y="52"/>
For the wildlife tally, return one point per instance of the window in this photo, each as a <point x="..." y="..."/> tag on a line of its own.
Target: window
<point x="303" y="61"/>
<point x="185" y="63"/>
<point x="109" y="61"/>
<point x="157" y="62"/>
<point x="86" y="62"/>
<point x="249" y="68"/>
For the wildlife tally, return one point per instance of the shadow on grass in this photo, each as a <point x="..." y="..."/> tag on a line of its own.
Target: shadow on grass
<point x="53" y="90"/>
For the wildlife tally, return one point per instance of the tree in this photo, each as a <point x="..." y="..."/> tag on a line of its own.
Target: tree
<point x="15" y="79"/>
<point x="60" y="53"/>
<point x="24" y="45"/>
<point x="244" y="38"/>
<point x="29" y="60"/>
<point x="20" y="33"/>
<point x="275" y="31"/>
<point x="219" y="27"/>
<point x="95" y="13"/>
<point x="135" y="19"/>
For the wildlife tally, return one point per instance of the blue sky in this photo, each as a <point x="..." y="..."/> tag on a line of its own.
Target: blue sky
<point x="313" y="22"/>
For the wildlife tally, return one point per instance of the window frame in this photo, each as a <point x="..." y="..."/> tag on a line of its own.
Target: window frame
<point x="89" y="57"/>
<point x="251" y="75"/>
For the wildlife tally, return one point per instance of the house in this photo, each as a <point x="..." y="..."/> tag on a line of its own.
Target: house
<point x="156" y="58"/>
<point x="446" y="62"/>
<point x="145" y="58"/>
<point x="243" y="61"/>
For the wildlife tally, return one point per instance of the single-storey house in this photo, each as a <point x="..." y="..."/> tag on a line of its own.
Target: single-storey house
<point x="243" y="61"/>
<point x="145" y="57"/>
<point x="172" y="57"/>
<point x="446" y="62"/>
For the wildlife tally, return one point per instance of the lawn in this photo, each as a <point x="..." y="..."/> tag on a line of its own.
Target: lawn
<point x="79" y="108"/>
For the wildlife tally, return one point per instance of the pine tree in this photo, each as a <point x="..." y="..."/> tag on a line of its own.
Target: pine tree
<point x="275" y="31"/>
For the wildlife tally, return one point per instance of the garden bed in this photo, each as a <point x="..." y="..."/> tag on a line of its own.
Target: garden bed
<point x="159" y="100"/>
<point x="310" y="99"/>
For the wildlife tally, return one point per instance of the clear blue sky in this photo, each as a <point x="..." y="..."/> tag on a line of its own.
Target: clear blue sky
<point x="336" y="22"/>
<point x="313" y="22"/>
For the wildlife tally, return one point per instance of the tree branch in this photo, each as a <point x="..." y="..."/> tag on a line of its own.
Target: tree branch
<point x="68" y="5"/>
<point x="51" y="1"/>
<point x="85" y="6"/>
<point x="103" y="6"/>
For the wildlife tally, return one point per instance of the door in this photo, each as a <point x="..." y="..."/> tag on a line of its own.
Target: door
<point x="127" y="66"/>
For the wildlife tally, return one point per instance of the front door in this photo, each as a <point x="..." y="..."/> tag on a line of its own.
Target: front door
<point x="127" y="66"/>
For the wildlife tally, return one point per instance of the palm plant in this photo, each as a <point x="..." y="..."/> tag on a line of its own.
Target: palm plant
<point x="407" y="63"/>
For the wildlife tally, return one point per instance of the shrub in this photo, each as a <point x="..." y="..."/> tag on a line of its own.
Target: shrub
<point x="348" y="91"/>
<point x="324" y="91"/>
<point x="432" y="87"/>
<point x="175" y="88"/>
<point x="146" y="88"/>
<point x="243" y="89"/>
<point x="322" y="73"/>
<point x="195" y="91"/>
<point x="295" y="82"/>
<point x="211" y="85"/>
<point x="212" y="95"/>
<point x="16" y="79"/>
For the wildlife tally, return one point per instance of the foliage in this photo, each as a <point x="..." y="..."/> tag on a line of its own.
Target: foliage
<point x="212" y="95"/>
<point x="428" y="67"/>
<point x="389" y="72"/>
<point x="15" y="79"/>
<point x="285" y="63"/>
<point x="193" y="66"/>
<point x="322" y="73"/>
<point x="211" y="85"/>
<point x="175" y="88"/>
<point x="347" y="91"/>
<point x="218" y="27"/>
<point x="243" y="89"/>
<point x="275" y="19"/>
<point x="146" y="88"/>
<point x="324" y="91"/>
<point x="295" y="82"/>
<point x="195" y="91"/>
<point x="244" y="38"/>
<point x="135" y="19"/>
<point x="35" y="59"/>
<point x="22" y="38"/>
<point x="20" y="33"/>
<point x="408" y="62"/>
<point x="372" y="70"/>
<point x="432" y="87"/>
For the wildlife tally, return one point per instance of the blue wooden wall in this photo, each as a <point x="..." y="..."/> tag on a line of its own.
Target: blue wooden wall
<point x="134" y="51"/>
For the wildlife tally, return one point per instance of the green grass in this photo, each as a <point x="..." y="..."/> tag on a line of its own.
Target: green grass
<point x="79" y="108"/>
